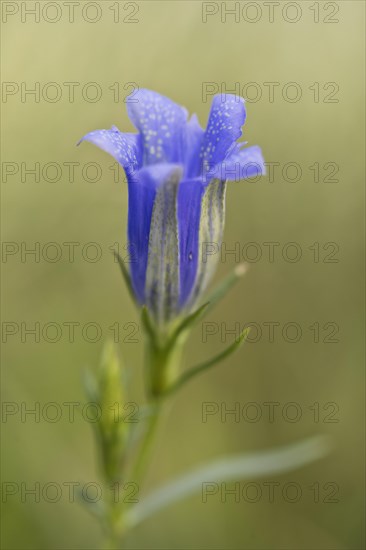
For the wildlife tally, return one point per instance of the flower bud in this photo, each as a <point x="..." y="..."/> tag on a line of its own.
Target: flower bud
<point x="112" y="430"/>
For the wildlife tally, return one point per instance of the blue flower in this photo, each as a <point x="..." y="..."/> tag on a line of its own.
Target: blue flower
<point x="177" y="174"/>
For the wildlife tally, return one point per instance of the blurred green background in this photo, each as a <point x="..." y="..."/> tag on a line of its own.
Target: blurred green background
<point x="171" y="50"/>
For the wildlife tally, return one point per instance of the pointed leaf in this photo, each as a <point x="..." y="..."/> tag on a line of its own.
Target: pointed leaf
<point x="147" y="323"/>
<point x="231" y="468"/>
<point x="224" y="286"/>
<point x="189" y="321"/>
<point x="211" y="362"/>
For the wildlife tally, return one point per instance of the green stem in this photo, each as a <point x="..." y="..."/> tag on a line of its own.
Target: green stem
<point x="140" y="466"/>
<point x="162" y="361"/>
<point x="114" y="533"/>
<point x="112" y="542"/>
<point x="115" y="516"/>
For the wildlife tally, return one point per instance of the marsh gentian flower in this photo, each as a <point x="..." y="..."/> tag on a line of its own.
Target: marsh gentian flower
<point x="177" y="174"/>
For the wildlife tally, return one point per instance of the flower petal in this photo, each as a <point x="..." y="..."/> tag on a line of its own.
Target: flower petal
<point x="161" y="123"/>
<point x="201" y="235"/>
<point x="162" y="274"/>
<point x="210" y="234"/>
<point x="189" y="215"/>
<point x="194" y="139"/>
<point x="240" y="164"/>
<point x="142" y="190"/>
<point x="125" y="148"/>
<point x="226" y="118"/>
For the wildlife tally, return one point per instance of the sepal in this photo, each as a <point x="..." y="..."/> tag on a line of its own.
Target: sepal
<point x="126" y="276"/>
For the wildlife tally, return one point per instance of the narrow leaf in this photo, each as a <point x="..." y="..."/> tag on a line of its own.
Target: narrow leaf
<point x="189" y="321"/>
<point x="231" y="468"/>
<point x="224" y="286"/>
<point x="211" y="362"/>
<point x="147" y="324"/>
